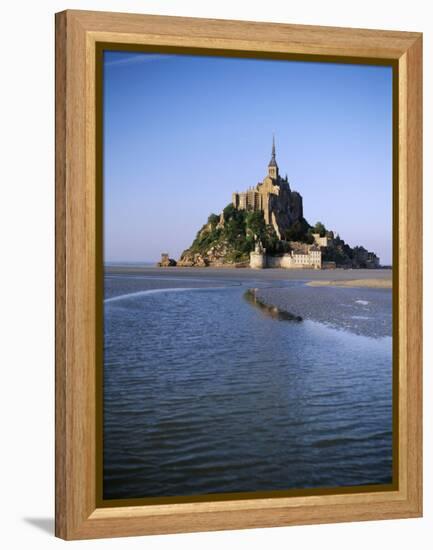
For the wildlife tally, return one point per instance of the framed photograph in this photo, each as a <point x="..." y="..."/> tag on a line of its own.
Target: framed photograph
<point x="238" y="274"/>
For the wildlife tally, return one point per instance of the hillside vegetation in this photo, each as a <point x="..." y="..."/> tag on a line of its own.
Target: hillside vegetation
<point x="230" y="237"/>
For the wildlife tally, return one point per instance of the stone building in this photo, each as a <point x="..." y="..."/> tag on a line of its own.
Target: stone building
<point x="281" y="206"/>
<point x="323" y="241"/>
<point x="166" y="261"/>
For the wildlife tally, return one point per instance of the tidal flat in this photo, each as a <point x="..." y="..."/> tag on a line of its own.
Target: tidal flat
<point x="251" y="274"/>
<point x="204" y="392"/>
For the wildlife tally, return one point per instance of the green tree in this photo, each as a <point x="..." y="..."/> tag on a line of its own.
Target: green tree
<point x="229" y="212"/>
<point x="270" y="239"/>
<point x="320" y="228"/>
<point x="213" y="220"/>
<point x="255" y="224"/>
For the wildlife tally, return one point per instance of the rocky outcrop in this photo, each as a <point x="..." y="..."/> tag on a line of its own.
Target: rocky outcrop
<point x="285" y="208"/>
<point x="215" y="246"/>
<point x="219" y="255"/>
<point x="191" y="259"/>
<point x="166" y="261"/>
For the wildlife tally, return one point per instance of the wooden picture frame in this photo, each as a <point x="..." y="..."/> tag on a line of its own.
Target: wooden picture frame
<point x="79" y="36"/>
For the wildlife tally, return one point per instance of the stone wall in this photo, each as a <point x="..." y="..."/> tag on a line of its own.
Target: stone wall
<point x="322" y="241"/>
<point x="258" y="260"/>
<point x="285" y="261"/>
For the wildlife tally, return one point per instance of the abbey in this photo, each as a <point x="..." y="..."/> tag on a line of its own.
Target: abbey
<point x="281" y="206"/>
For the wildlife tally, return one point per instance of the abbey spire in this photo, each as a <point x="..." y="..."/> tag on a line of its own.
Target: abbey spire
<point x="273" y="166"/>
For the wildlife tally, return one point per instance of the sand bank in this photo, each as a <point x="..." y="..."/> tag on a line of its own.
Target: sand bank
<point x="250" y="274"/>
<point x="358" y="283"/>
<point x="362" y="311"/>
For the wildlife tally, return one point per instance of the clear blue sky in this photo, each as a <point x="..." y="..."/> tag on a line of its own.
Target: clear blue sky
<point x="181" y="133"/>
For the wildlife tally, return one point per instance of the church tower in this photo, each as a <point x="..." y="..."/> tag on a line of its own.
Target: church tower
<point x="273" y="166"/>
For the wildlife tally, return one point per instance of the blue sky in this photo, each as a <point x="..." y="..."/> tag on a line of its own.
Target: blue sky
<point x="181" y="133"/>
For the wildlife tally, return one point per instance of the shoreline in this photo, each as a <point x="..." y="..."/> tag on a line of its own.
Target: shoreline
<point x="247" y="274"/>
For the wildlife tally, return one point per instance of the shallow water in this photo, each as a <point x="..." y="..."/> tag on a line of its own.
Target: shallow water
<point x="363" y="311"/>
<point x="205" y="393"/>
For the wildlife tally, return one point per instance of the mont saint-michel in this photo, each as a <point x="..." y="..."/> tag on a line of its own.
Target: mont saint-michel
<point x="264" y="226"/>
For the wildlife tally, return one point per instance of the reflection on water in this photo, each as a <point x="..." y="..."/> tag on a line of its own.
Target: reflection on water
<point x="203" y="393"/>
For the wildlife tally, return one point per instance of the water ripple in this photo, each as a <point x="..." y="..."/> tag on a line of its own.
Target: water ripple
<point x="203" y="393"/>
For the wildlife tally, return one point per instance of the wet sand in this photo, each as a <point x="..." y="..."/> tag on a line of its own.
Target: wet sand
<point x="356" y="300"/>
<point x="359" y="310"/>
<point x="355" y="283"/>
<point x="246" y="274"/>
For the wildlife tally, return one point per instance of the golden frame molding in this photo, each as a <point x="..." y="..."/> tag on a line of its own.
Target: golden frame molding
<point x="79" y="34"/>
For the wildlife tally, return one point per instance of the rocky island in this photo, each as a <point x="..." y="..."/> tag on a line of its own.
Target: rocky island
<point x="264" y="226"/>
